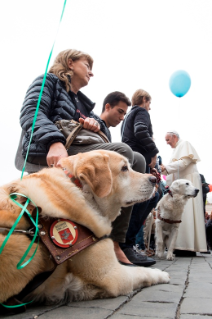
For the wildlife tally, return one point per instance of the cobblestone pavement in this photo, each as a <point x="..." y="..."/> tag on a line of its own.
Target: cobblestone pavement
<point x="188" y="296"/>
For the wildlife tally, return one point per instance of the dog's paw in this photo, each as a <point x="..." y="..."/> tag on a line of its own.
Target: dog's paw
<point x="165" y="277"/>
<point x="159" y="277"/>
<point x="160" y="255"/>
<point x="170" y="256"/>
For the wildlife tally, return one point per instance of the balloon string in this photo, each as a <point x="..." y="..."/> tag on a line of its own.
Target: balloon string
<point x="179" y="110"/>
<point x="179" y="123"/>
<point x="41" y="92"/>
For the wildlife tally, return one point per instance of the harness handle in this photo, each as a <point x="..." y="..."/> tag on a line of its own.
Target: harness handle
<point x="13" y="196"/>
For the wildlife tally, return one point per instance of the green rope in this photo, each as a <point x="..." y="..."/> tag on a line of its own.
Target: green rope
<point x="35" y="223"/>
<point x="16" y="306"/>
<point x="13" y="196"/>
<point x="41" y="92"/>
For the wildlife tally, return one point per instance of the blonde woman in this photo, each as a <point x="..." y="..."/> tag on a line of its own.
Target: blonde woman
<point x="62" y="99"/>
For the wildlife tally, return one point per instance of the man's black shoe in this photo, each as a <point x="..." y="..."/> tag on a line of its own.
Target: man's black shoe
<point x="125" y="264"/>
<point x="138" y="259"/>
<point x="184" y="253"/>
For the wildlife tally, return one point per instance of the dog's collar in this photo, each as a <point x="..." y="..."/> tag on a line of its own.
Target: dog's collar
<point x="76" y="181"/>
<point x="168" y="191"/>
<point x="166" y="220"/>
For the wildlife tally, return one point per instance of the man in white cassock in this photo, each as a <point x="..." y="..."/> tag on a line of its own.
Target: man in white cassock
<point x="191" y="235"/>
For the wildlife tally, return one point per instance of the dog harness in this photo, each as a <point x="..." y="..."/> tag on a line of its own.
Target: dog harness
<point x="63" y="239"/>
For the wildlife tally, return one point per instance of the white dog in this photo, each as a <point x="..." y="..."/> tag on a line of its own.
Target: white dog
<point x="169" y="211"/>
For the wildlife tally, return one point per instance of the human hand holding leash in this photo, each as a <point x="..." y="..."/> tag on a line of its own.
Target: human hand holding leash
<point x="163" y="168"/>
<point x="153" y="161"/>
<point x="56" y="152"/>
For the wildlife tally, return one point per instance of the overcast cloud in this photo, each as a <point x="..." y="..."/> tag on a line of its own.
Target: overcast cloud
<point x="135" y="44"/>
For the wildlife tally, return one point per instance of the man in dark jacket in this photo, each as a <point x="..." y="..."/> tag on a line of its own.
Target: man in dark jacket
<point x="205" y="190"/>
<point x="114" y="109"/>
<point x="137" y="133"/>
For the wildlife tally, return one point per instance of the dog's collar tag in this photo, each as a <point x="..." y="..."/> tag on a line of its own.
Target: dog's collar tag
<point x="64" y="233"/>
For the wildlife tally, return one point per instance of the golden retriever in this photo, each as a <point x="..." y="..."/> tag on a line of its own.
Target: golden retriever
<point x="108" y="183"/>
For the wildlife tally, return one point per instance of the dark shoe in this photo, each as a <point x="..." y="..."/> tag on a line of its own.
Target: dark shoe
<point x="206" y="252"/>
<point x="138" y="259"/>
<point x="184" y="253"/>
<point x="125" y="264"/>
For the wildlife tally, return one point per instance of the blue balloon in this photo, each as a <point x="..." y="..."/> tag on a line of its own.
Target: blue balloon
<point x="180" y="83"/>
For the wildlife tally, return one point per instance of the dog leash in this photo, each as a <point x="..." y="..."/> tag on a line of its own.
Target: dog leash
<point x="155" y="173"/>
<point x="167" y="190"/>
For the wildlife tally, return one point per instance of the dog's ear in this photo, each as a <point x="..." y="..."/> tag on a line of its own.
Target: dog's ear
<point x="174" y="186"/>
<point x="97" y="174"/>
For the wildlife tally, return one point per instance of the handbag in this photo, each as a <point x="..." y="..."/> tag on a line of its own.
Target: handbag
<point x="76" y="134"/>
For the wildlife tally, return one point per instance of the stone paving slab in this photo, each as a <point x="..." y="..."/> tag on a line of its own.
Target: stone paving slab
<point x="162" y="288"/>
<point x="178" y="281"/>
<point x="197" y="306"/>
<point x="66" y="312"/>
<point x="200" y="278"/>
<point x="124" y="316"/>
<point x="110" y="304"/>
<point x="31" y="312"/>
<point x="186" y="316"/>
<point x="199" y="290"/>
<point x="153" y="309"/>
<point x="157" y="296"/>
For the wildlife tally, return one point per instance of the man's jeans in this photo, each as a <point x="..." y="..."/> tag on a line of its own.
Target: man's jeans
<point x="139" y="214"/>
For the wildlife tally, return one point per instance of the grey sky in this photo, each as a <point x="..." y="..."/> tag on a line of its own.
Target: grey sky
<point x="135" y="44"/>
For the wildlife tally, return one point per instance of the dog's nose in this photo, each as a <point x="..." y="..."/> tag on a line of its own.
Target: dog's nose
<point x="196" y="191"/>
<point x="152" y="179"/>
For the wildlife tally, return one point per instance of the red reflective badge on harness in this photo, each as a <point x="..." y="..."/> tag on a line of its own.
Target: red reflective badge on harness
<point x="64" y="233"/>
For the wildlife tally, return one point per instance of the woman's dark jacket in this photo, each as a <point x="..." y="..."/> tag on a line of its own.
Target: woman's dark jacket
<point x="56" y="104"/>
<point x="137" y="133"/>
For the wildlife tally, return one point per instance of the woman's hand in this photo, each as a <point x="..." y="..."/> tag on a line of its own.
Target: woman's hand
<point x="56" y="152"/>
<point x="153" y="161"/>
<point x="163" y="168"/>
<point x="90" y="124"/>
